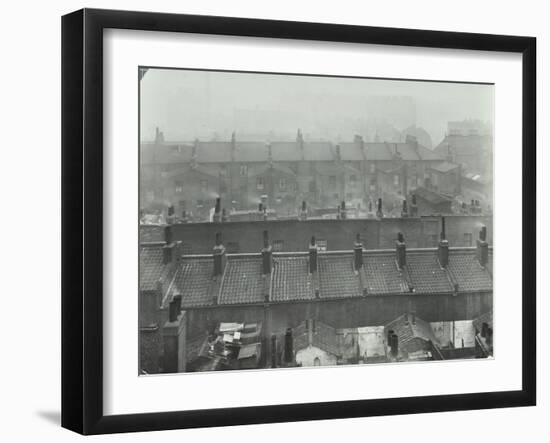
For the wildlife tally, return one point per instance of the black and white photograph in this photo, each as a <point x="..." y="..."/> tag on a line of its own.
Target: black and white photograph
<point x="294" y="221"/>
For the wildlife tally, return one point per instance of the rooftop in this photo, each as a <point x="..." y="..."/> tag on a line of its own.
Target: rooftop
<point x="242" y="281"/>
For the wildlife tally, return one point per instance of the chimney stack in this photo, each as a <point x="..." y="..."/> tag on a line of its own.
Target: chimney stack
<point x="220" y="259"/>
<point x="303" y="211"/>
<point x="217" y="211"/>
<point x="443" y="248"/>
<point x="414" y="207"/>
<point x="169" y="249"/>
<point x="404" y="210"/>
<point x="289" y="345"/>
<point x="400" y="251"/>
<point x="312" y="256"/>
<point x="358" y="253"/>
<point x="343" y="214"/>
<point x="260" y="208"/>
<point x="267" y="259"/>
<point x="483" y="247"/>
<point x="184" y="218"/>
<point x="173" y="311"/>
<point x="338" y="153"/>
<point x="379" y="212"/>
<point x="171" y="218"/>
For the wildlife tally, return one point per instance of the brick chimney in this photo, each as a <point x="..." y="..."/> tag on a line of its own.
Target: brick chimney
<point x="483" y="247"/>
<point x="217" y="211"/>
<point x="171" y="218"/>
<point x="401" y="251"/>
<point x="358" y="253"/>
<point x="267" y="258"/>
<point x="379" y="212"/>
<point x="312" y="256"/>
<point x="300" y="142"/>
<point x="303" y="211"/>
<point x="173" y="335"/>
<point x="414" y="206"/>
<point x="170" y="249"/>
<point x="404" y="209"/>
<point x="194" y="153"/>
<point x="443" y="247"/>
<point x="220" y="259"/>
<point x="338" y="154"/>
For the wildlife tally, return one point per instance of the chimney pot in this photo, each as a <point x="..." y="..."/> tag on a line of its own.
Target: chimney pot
<point x="168" y="234"/>
<point x="483" y="247"/>
<point x="220" y="259"/>
<point x="178" y="300"/>
<point x="379" y="212"/>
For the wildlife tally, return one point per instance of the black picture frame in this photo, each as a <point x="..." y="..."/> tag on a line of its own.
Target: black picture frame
<point x="82" y="219"/>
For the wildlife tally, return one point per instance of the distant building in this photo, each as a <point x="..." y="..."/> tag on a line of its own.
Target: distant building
<point x="190" y="175"/>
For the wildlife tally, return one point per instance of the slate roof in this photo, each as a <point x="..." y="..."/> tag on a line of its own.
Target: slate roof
<point x="251" y="152"/>
<point x="291" y="279"/>
<point x="318" y="151"/>
<point x="242" y="281"/>
<point x="166" y="153"/>
<point x="285" y="151"/>
<point x="213" y="152"/>
<point x="432" y="197"/>
<point x="351" y="152"/>
<point x="151" y="266"/>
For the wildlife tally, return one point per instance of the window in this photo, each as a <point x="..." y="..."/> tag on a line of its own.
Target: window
<point x="468" y="239"/>
<point x="243" y="171"/>
<point x="316" y="362"/>
<point x="372" y="168"/>
<point x="332" y="181"/>
<point x="282" y="184"/>
<point x="278" y="245"/>
<point x="204" y="185"/>
<point x="260" y="183"/>
<point x="200" y="203"/>
<point x="352" y="181"/>
<point x="179" y="187"/>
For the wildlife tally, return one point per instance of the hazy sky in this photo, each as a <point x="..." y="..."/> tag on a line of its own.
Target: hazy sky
<point x="187" y="104"/>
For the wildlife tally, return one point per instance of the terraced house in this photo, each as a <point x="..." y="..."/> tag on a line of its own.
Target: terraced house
<point x="183" y="297"/>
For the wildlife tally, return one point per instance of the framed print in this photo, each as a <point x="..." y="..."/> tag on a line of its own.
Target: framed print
<point x="269" y="221"/>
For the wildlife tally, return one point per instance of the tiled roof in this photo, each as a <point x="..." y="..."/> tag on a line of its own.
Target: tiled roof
<point x="291" y="279"/>
<point x="468" y="273"/>
<point x="426" y="274"/>
<point x="382" y="275"/>
<point x="167" y="153"/>
<point x="151" y="267"/>
<point x="337" y="277"/>
<point x="242" y="281"/>
<point x="406" y="330"/>
<point x="194" y="281"/>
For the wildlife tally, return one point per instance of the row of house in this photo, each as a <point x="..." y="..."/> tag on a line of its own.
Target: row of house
<point x="185" y="296"/>
<point x="190" y="176"/>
